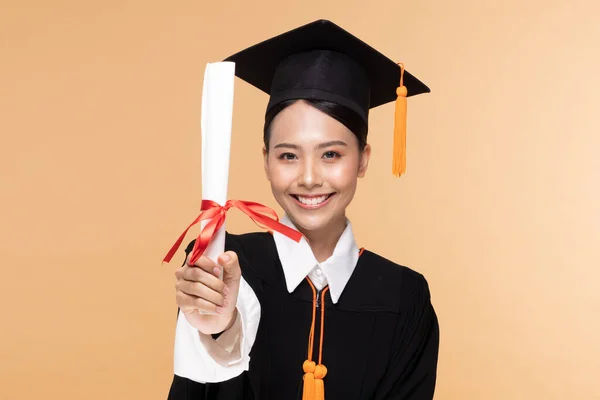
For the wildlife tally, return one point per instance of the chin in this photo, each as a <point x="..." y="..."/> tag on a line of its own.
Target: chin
<point x="310" y="223"/>
<point x="313" y="221"/>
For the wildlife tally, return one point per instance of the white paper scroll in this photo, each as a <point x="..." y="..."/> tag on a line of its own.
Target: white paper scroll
<point x="217" y="114"/>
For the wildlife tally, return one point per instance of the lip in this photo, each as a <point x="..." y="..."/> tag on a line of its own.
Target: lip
<point x="312" y="206"/>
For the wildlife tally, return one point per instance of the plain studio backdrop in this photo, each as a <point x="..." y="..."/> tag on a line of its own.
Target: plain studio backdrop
<point x="100" y="173"/>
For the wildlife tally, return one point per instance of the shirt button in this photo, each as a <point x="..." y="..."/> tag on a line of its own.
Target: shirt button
<point x="318" y="272"/>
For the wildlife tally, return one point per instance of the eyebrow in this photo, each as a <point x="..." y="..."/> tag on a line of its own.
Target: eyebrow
<point x="331" y="143"/>
<point x="286" y="146"/>
<point x="319" y="146"/>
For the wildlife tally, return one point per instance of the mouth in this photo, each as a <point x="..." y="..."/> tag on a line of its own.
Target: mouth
<point x="312" y="202"/>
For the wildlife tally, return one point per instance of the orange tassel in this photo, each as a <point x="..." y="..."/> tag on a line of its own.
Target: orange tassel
<point x="309" y="380"/>
<point x="314" y="387"/>
<point x="399" y="155"/>
<point x="320" y="372"/>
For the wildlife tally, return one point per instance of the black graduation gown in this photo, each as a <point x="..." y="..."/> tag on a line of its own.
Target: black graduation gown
<point x="380" y="341"/>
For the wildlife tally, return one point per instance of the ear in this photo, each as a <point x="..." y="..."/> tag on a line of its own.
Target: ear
<point x="266" y="162"/>
<point x="363" y="163"/>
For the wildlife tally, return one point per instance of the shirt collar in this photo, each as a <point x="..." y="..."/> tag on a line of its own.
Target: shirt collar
<point x="297" y="260"/>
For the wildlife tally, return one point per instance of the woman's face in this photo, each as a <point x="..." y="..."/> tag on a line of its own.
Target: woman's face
<point x="313" y="164"/>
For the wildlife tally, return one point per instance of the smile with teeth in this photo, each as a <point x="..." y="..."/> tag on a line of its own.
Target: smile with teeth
<point x="312" y="200"/>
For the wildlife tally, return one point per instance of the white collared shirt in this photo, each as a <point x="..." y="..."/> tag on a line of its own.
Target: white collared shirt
<point x="201" y="359"/>
<point x="298" y="261"/>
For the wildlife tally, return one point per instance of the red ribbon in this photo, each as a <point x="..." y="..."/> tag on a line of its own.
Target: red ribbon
<point x="263" y="216"/>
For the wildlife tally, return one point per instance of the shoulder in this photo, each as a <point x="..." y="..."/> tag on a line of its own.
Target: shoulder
<point x="250" y="239"/>
<point x="398" y="274"/>
<point x="391" y="284"/>
<point x="251" y="245"/>
<point x="258" y="257"/>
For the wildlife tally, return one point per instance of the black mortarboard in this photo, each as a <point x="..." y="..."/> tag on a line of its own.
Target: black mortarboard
<point x="321" y="61"/>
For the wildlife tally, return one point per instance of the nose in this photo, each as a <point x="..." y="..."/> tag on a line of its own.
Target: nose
<point x="310" y="175"/>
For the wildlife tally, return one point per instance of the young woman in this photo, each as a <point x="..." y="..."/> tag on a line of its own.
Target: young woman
<point x="319" y="318"/>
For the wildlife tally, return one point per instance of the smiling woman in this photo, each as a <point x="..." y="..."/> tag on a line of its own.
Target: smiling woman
<point x="256" y="333"/>
<point x="312" y="162"/>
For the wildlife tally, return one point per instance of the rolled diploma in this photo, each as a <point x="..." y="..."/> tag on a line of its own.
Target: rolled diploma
<point x="217" y="114"/>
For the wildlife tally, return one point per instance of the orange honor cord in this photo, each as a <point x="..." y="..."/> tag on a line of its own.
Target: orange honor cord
<point x="314" y="387"/>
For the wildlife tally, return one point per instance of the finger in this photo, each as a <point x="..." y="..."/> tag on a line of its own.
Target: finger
<point x="189" y="304"/>
<point x="229" y="261"/>
<point x="198" y="290"/>
<point x="195" y="274"/>
<point x="206" y="264"/>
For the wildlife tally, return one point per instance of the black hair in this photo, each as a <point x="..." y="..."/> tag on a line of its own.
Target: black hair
<point x="346" y="116"/>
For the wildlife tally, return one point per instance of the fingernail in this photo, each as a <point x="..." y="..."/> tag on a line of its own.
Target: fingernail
<point x="220" y="310"/>
<point x="225" y="290"/>
<point x="225" y="303"/>
<point x="216" y="271"/>
<point x="226" y="258"/>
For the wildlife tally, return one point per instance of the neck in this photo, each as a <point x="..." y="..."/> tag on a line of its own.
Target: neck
<point x="323" y="242"/>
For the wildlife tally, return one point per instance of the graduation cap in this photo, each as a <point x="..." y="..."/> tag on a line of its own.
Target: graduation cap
<point x="321" y="61"/>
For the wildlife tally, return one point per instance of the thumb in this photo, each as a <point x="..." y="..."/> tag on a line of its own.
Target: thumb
<point x="231" y="266"/>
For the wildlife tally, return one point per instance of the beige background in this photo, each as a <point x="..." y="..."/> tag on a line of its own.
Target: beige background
<point x="100" y="172"/>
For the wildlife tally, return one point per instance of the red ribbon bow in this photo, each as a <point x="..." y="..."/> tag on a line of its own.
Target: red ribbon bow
<point x="263" y="216"/>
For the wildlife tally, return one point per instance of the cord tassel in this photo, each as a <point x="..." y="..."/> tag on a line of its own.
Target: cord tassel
<point x="320" y="372"/>
<point x="399" y="155"/>
<point x="314" y="386"/>
<point x="309" y="380"/>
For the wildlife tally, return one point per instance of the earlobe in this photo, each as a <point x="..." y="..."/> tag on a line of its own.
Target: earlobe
<point x="266" y="163"/>
<point x="364" y="161"/>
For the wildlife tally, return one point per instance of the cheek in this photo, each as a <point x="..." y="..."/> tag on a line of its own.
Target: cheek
<point x="280" y="176"/>
<point x="343" y="175"/>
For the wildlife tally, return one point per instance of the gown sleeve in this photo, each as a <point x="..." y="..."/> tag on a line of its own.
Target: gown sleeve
<point x="411" y="373"/>
<point x="201" y="358"/>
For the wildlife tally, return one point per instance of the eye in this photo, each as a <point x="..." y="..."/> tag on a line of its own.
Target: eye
<point x="287" y="156"/>
<point x="331" y="155"/>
